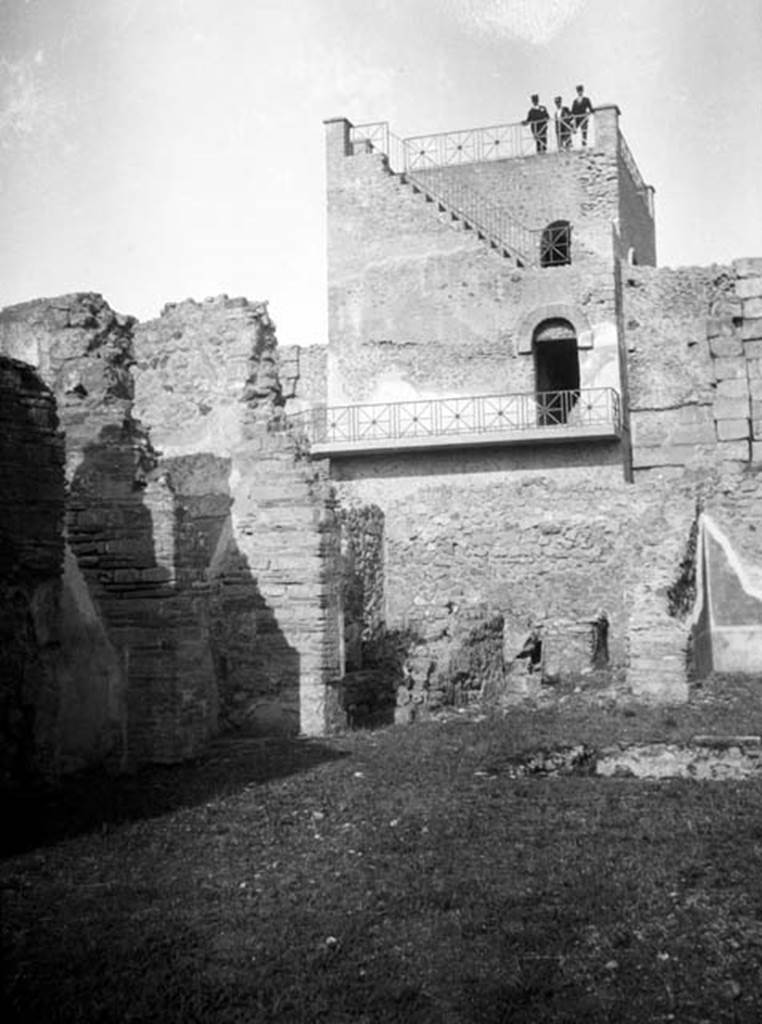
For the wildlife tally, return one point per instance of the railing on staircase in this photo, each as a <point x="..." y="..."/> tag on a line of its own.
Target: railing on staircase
<point x="429" y="176"/>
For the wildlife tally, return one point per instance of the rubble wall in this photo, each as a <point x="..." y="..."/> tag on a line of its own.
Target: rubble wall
<point x="536" y="548"/>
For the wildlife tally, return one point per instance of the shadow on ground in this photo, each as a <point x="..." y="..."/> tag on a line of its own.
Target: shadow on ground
<point x="44" y="814"/>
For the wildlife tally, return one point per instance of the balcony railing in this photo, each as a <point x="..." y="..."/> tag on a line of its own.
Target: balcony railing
<point x="480" y="419"/>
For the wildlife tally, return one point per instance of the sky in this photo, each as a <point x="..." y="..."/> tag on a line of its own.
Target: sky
<point x="155" y="150"/>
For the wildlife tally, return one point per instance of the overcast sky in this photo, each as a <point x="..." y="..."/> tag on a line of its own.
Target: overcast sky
<point x="153" y="150"/>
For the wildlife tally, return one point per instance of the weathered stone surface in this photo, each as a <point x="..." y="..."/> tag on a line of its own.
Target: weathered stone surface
<point x="205" y="372"/>
<point x="749" y="287"/>
<point x="732" y="408"/>
<point x="732" y="430"/>
<point x="726" y="346"/>
<point x="700" y="760"/>
<point x="751" y="329"/>
<point x="748" y="266"/>
<point x="31" y="567"/>
<point x="728" y="368"/>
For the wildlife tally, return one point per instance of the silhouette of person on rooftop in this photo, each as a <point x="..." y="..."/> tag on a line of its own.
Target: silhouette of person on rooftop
<point x="537" y="119"/>
<point x="581" y="110"/>
<point x="563" y="124"/>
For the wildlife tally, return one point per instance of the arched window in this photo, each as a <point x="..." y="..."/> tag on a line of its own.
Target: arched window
<point x="556" y="364"/>
<point x="555" y="244"/>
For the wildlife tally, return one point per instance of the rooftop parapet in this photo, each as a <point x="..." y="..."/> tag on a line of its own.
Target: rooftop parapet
<point x="419" y="153"/>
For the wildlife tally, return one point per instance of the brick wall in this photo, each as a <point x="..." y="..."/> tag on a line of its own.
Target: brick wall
<point x="191" y="593"/>
<point x="31" y="567"/>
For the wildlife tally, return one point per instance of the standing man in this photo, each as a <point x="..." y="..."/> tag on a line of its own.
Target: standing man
<point x="581" y="110"/>
<point x="537" y="119"/>
<point x="563" y="124"/>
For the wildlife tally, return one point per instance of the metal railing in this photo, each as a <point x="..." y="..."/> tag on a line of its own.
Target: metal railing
<point x="488" y="219"/>
<point x="451" y="417"/>
<point x="497" y="142"/>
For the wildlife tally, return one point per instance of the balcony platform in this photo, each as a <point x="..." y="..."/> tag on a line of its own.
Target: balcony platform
<point x="559" y="417"/>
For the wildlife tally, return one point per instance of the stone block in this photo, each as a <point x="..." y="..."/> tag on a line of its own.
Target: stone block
<point x="753" y="348"/>
<point x="748" y="266"/>
<point x="731" y="408"/>
<point x="754" y="368"/>
<point x="732" y="430"/>
<point x="720" y="327"/>
<point x="737" y="388"/>
<point x="756" y="451"/>
<point x="749" y="287"/>
<point x="726" y="345"/>
<point x="728" y="367"/>
<point x="752" y="308"/>
<point x="751" y="328"/>
<point x="736" y="451"/>
<point x="662" y="455"/>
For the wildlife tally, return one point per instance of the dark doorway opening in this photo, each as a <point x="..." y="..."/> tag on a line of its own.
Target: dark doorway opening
<point x="556" y="363"/>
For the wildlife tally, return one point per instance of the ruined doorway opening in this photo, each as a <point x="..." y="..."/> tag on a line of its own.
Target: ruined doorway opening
<point x="556" y="364"/>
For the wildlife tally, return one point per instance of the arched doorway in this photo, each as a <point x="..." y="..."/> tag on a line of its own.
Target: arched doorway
<point x="556" y="365"/>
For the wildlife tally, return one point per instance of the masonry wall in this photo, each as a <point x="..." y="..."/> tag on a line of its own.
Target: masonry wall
<point x="303" y="374"/>
<point x="191" y="599"/>
<point x="692" y="338"/>
<point x="536" y="548"/>
<point x="31" y="568"/>
<point x="635" y="223"/>
<point x="207" y="380"/>
<point x="579" y="186"/>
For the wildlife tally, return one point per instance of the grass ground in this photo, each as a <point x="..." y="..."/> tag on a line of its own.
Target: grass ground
<point x="400" y="875"/>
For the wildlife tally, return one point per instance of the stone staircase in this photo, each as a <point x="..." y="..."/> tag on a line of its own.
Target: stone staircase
<point x="462" y="208"/>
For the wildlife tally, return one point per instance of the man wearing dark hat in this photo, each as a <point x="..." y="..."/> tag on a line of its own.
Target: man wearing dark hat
<point x="537" y="119"/>
<point x="563" y="124"/>
<point x="581" y="110"/>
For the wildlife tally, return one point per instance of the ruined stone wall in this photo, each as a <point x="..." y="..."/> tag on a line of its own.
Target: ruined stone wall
<point x="31" y="567"/>
<point x="204" y="373"/>
<point x="534" y="547"/>
<point x="694" y="368"/>
<point x="207" y="381"/>
<point x="183" y="580"/>
<point x="303" y="373"/>
<point x="134" y="667"/>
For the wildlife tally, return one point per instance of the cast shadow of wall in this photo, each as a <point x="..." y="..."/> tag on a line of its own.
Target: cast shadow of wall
<point x="199" y="647"/>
